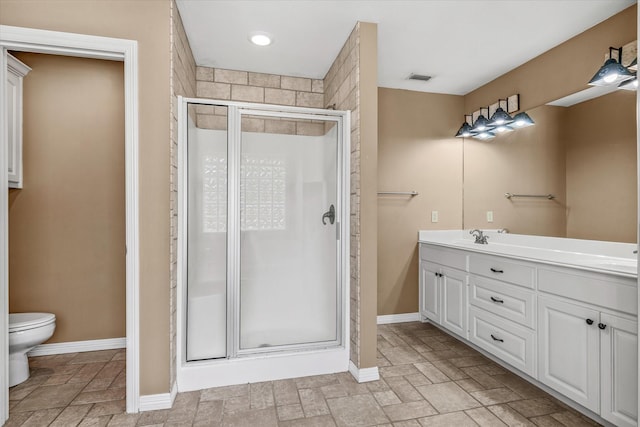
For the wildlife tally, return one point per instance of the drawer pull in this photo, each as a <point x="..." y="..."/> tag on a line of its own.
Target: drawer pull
<point x="496" y="339"/>
<point x="495" y="270"/>
<point x="498" y="300"/>
<point x="602" y="326"/>
<point x="589" y="322"/>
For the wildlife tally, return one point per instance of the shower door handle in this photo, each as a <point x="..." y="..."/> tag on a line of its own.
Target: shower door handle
<point x="331" y="214"/>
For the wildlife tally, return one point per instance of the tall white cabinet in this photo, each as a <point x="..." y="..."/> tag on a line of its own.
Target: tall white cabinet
<point x="16" y="70"/>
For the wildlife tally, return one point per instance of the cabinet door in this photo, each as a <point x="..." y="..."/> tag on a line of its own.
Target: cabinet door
<point x="430" y="291"/>
<point x="454" y="301"/>
<point x="619" y="370"/>
<point x="568" y="349"/>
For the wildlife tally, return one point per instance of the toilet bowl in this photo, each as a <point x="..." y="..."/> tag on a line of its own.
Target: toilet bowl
<point x="26" y="330"/>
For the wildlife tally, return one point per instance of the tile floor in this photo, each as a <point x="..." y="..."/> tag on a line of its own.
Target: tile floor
<point x="428" y="378"/>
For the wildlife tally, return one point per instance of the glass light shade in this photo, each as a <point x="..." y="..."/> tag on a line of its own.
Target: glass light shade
<point x="481" y="124"/>
<point x="522" y="120"/>
<point x="611" y="73"/>
<point x="500" y="117"/>
<point x="631" y="84"/>
<point x="503" y="129"/>
<point x="485" y="136"/>
<point x="465" y="131"/>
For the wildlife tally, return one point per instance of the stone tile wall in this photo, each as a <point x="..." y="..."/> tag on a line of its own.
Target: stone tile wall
<point x="183" y="82"/>
<point x="341" y="86"/>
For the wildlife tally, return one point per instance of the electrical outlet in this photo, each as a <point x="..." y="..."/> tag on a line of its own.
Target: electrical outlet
<point x="489" y="216"/>
<point x="434" y="216"/>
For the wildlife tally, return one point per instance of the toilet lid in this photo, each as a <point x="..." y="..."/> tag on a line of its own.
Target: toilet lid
<point x="24" y="321"/>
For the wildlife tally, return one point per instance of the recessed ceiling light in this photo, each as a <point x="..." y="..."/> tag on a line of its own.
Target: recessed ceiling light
<point x="260" y="39"/>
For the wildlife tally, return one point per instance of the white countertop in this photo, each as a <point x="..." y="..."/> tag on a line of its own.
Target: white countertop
<point x="592" y="255"/>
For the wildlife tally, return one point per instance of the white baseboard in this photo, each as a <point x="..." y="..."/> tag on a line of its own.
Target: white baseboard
<point x="398" y="318"/>
<point x="364" y="375"/>
<point x="78" y="346"/>
<point x="154" y="402"/>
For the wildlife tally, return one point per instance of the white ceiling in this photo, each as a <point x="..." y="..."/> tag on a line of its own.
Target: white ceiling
<point x="462" y="44"/>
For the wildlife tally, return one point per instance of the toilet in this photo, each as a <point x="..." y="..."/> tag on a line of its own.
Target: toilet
<point x="26" y="330"/>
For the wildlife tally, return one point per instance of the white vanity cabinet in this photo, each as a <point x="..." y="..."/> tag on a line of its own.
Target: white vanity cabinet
<point x="16" y="70"/>
<point x="443" y="288"/>
<point x="588" y="341"/>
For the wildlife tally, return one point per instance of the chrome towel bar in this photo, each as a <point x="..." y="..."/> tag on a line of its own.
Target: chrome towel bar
<point x="539" y="196"/>
<point x="399" y="193"/>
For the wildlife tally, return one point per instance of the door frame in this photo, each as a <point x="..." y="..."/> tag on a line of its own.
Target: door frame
<point x="96" y="47"/>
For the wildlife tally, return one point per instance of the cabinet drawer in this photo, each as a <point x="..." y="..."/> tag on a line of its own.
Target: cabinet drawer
<point x="502" y="269"/>
<point x="611" y="292"/>
<point x="443" y="256"/>
<point x="503" y="299"/>
<point x="507" y="340"/>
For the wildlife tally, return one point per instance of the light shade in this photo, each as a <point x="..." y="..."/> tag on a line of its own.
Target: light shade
<point x="611" y="73"/>
<point x="631" y="84"/>
<point x="500" y="117"/>
<point x="465" y="131"/>
<point x="485" y="135"/>
<point x="502" y="129"/>
<point x="481" y="124"/>
<point x="522" y="120"/>
<point x="634" y="65"/>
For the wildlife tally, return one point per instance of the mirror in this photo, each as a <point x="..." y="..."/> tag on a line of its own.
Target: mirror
<point x="583" y="153"/>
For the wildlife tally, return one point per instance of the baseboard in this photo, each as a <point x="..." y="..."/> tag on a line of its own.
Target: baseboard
<point x="78" y="346"/>
<point x="154" y="402"/>
<point x="364" y="375"/>
<point x="398" y="318"/>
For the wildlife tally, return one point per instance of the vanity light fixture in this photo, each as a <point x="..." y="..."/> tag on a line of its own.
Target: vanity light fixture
<point x="485" y="135"/>
<point x="260" y="38"/>
<point x="482" y="123"/>
<point x="522" y="120"/>
<point x="500" y="117"/>
<point x="612" y="72"/>
<point x="465" y="130"/>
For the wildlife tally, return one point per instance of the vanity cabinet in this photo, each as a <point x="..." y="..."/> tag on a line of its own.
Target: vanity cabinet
<point x="443" y="289"/>
<point x="570" y="329"/>
<point x="16" y="70"/>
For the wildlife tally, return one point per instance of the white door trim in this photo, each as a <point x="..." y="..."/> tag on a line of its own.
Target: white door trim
<point x="87" y="46"/>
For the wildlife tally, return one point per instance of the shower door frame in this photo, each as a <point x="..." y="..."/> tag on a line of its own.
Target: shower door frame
<point x="285" y="361"/>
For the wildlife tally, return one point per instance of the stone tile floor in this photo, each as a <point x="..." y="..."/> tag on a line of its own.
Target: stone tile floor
<point x="428" y="378"/>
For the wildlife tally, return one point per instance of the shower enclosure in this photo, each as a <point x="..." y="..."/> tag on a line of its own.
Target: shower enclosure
<point x="263" y="242"/>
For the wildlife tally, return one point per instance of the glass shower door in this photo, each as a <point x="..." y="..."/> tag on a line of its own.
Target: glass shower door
<point x="289" y="287"/>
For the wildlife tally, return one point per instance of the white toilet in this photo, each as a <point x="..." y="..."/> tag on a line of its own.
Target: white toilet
<point x="26" y="330"/>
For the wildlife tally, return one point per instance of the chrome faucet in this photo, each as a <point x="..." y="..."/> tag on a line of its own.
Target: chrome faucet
<point x="480" y="237"/>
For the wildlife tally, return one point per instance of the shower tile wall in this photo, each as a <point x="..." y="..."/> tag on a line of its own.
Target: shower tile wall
<point x="183" y="82"/>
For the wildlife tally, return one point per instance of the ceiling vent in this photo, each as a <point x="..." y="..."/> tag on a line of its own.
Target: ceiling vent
<point x="420" y="77"/>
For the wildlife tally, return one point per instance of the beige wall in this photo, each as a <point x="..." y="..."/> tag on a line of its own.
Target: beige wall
<point x="526" y="161"/>
<point x="148" y="22"/>
<point x="416" y="152"/>
<point x="602" y="193"/>
<point x="67" y="224"/>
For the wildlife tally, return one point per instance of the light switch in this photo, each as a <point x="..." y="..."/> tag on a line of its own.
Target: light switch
<point x="434" y="216"/>
<point x="489" y="216"/>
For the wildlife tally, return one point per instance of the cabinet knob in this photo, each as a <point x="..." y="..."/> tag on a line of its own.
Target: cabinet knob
<point x="498" y="300"/>
<point x="589" y="322"/>
<point x="496" y="339"/>
<point x="495" y="270"/>
<point x="602" y="326"/>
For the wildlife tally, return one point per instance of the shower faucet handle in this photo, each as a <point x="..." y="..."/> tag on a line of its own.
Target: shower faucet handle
<point x="330" y="214"/>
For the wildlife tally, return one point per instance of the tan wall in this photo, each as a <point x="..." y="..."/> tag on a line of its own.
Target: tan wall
<point x="67" y="224"/>
<point x="561" y="71"/>
<point x="183" y="82"/>
<point x="416" y="152"/>
<point x="148" y="22"/>
<point x="526" y="161"/>
<point x="602" y="193"/>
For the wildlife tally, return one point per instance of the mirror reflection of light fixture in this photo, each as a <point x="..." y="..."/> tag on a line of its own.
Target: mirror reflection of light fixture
<point x="500" y="117"/>
<point x="631" y="84"/>
<point x="612" y="72"/>
<point x="503" y="129"/>
<point x="482" y="123"/>
<point x="465" y="130"/>
<point x="522" y="120"/>
<point x="485" y="135"/>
